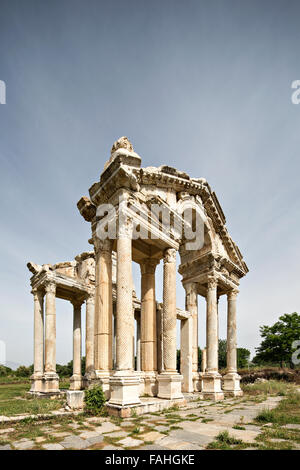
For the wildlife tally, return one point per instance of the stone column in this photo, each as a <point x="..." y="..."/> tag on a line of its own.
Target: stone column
<point x="148" y="325"/>
<point x="103" y="313"/>
<point x="125" y="382"/>
<point x="169" y="381"/>
<point x="186" y="353"/>
<point x="191" y="305"/>
<point x="159" y="338"/>
<point x="38" y="368"/>
<point x="51" y="380"/>
<point x="76" y="379"/>
<point x="138" y="343"/>
<point x="203" y="360"/>
<point x="231" y="381"/>
<point x="89" y="337"/>
<point x="212" y="378"/>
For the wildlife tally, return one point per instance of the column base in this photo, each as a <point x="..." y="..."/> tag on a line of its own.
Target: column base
<point x="76" y="382"/>
<point x="124" y="388"/>
<point x="88" y="378"/>
<point x="211" y="386"/>
<point x="99" y="377"/>
<point x="75" y="400"/>
<point x="169" y="385"/>
<point x="50" y="383"/>
<point x="150" y="383"/>
<point x="36" y="382"/>
<point x="197" y="382"/>
<point x="231" y="384"/>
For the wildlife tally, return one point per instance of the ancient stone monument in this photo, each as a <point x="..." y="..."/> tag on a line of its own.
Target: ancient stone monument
<point x="143" y="215"/>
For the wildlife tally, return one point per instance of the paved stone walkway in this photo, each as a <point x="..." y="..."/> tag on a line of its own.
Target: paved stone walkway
<point x="192" y="427"/>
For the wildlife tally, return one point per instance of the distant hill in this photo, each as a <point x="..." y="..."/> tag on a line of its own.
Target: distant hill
<point x="12" y="365"/>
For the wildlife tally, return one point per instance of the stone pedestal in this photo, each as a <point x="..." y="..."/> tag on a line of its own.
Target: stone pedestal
<point x="51" y="383"/>
<point x="36" y="382"/>
<point x="75" y="400"/>
<point x="231" y="384"/>
<point x="150" y="383"/>
<point x="211" y="386"/>
<point x="169" y="385"/>
<point x="124" y="389"/>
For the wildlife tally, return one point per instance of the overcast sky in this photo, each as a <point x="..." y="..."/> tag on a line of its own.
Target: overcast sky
<point x="204" y="86"/>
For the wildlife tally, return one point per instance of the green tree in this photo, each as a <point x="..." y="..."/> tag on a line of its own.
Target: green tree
<point x="222" y="353"/>
<point x="276" y="346"/>
<point x="24" y="371"/>
<point x="243" y="357"/>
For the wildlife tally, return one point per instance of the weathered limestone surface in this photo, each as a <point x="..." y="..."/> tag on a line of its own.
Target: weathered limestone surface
<point x="142" y="215"/>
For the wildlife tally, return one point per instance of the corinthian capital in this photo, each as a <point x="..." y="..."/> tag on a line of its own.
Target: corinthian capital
<point x="170" y="255"/>
<point x="212" y="282"/>
<point x="232" y="295"/>
<point x="148" y="265"/>
<point x="125" y="226"/>
<point x="50" y="287"/>
<point x="102" y="246"/>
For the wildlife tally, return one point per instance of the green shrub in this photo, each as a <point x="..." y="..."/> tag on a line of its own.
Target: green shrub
<point x="94" y="400"/>
<point x="24" y="371"/>
<point x="4" y="371"/>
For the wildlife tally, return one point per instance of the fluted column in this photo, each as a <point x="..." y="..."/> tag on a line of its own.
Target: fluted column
<point x="38" y="331"/>
<point x="125" y="382"/>
<point x="231" y="331"/>
<point x="212" y="326"/>
<point x="169" y="311"/>
<point x="125" y="314"/>
<point x="38" y="366"/>
<point x="138" y="343"/>
<point x="211" y="380"/>
<point x="51" y="377"/>
<point x="103" y="312"/>
<point x="50" y="328"/>
<point x="89" y="335"/>
<point x="169" y="380"/>
<point x="148" y="325"/>
<point x="148" y="315"/>
<point x="76" y="379"/>
<point x="191" y="305"/>
<point x="231" y="381"/>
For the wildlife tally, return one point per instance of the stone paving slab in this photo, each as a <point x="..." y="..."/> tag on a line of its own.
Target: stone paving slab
<point x="110" y="447"/>
<point x="117" y="434"/>
<point x="130" y="442"/>
<point x="292" y="426"/>
<point x="6" y="447"/>
<point x="177" y="444"/>
<point x="191" y="437"/>
<point x="53" y="447"/>
<point x="61" y="434"/>
<point x="6" y="430"/>
<point x="75" y="442"/>
<point x="107" y="427"/>
<point x="95" y="440"/>
<point x="24" y="444"/>
<point x="152" y="436"/>
<point x="89" y="434"/>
